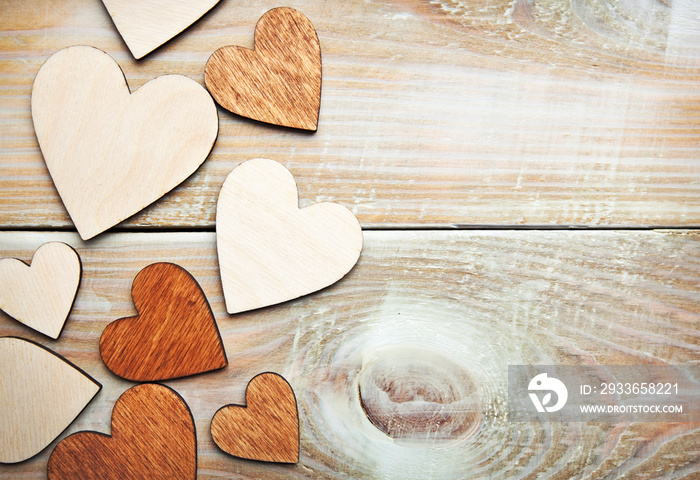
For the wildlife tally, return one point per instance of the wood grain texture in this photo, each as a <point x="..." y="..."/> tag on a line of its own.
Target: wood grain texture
<point x="278" y="82"/>
<point x="174" y="335"/>
<point x="555" y="112"/>
<point x="461" y="306"/>
<point x="40" y="395"/>
<point x="266" y="428"/>
<point x="111" y="153"/>
<point x="270" y="251"/>
<point x="152" y="436"/>
<point x="146" y="25"/>
<point x="41" y="296"/>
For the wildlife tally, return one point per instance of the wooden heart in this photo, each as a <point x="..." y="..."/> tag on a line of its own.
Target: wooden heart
<point x="41" y="296"/>
<point x="147" y="24"/>
<point x="271" y="251"/>
<point x="40" y="395"/>
<point x="280" y="81"/>
<point x="266" y="429"/>
<point x="111" y="153"/>
<point x="153" y="437"/>
<point x="174" y="335"/>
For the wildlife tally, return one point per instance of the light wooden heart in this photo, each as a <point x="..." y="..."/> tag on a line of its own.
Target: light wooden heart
<point x="153" y="437"/>
<point x="147" y="24"/>
<point x="280" y="81"/>
<point x="174" y="335"/>
<point x="41" y="296"/>
<point x="271" y="251"/>
<point x="111" y="153"/>
<point x="267" y="428"/>
<point x="40" y="395"/>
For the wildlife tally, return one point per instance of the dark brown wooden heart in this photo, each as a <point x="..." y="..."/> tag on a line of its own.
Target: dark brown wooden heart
<point x="267" y="428"/>
<point x="153" y="436"/>
<point x="280" y="81"/>
<point x="174" y="335"/>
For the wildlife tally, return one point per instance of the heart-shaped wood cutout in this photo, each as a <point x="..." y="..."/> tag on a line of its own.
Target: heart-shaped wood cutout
<point x="267" y="428"/>
<point x="41" y="296"/>
<point x="147" y="24"/>
<point x="280" y="81"/>
<point x="153" y="437"/>
<point x="40" y="395"/>
<point x="271" y="251"/>
<point x="111" y="153"/>
<point x="174" y="335"/>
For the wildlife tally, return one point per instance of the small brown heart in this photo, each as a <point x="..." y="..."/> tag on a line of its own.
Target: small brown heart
<point x="153" y="436"/>
<point x="146" y="25"/>
<point x="280" y="81"/>
<point x="267" y="429"/>
<point x="174" y="335"/>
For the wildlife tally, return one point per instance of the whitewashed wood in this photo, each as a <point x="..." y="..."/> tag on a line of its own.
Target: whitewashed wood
<point x="269" y="250"/>
<point x="453" y="307"/>
<point x="111" y="153"/>
<point x="41" y="295"/>
<point x="441" y="113"/>
<point x="40" y="395"/>
<point x="146" y="25"/>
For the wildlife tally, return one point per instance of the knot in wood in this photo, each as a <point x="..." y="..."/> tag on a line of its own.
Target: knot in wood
<point x="416" y="395"/>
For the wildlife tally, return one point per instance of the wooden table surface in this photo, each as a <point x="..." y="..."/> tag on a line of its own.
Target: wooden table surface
<point x="527" y="175"/>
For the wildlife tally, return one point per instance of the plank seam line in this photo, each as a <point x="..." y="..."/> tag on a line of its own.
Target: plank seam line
<point x="379" y="228"/>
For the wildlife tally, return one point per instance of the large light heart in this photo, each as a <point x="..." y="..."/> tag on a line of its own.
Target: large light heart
<point x="270" y="251"/>
<point x="111" y="153"/>
<point x="40" y="395"/>
<point x="147" y="24"/>
<point x="41" y="295"/>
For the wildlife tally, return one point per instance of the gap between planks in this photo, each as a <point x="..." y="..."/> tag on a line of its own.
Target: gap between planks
<point x="486" y="227"/>
<point x="379" y="228"/>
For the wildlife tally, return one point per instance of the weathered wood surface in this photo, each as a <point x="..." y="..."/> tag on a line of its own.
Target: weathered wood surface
<point x="145" y="26"/>
<point x="432" y="113"/>
<point x="423" y="315"/>
<point x="40" y="396"/>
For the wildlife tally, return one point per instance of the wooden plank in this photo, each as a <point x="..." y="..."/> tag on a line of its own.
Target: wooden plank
<point x="452" y="112"/>
<point x="457" y="307"/>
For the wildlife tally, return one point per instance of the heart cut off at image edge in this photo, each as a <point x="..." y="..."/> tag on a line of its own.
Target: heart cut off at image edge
<point x="146" y="25"/>
<point x="152" y="436"/>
